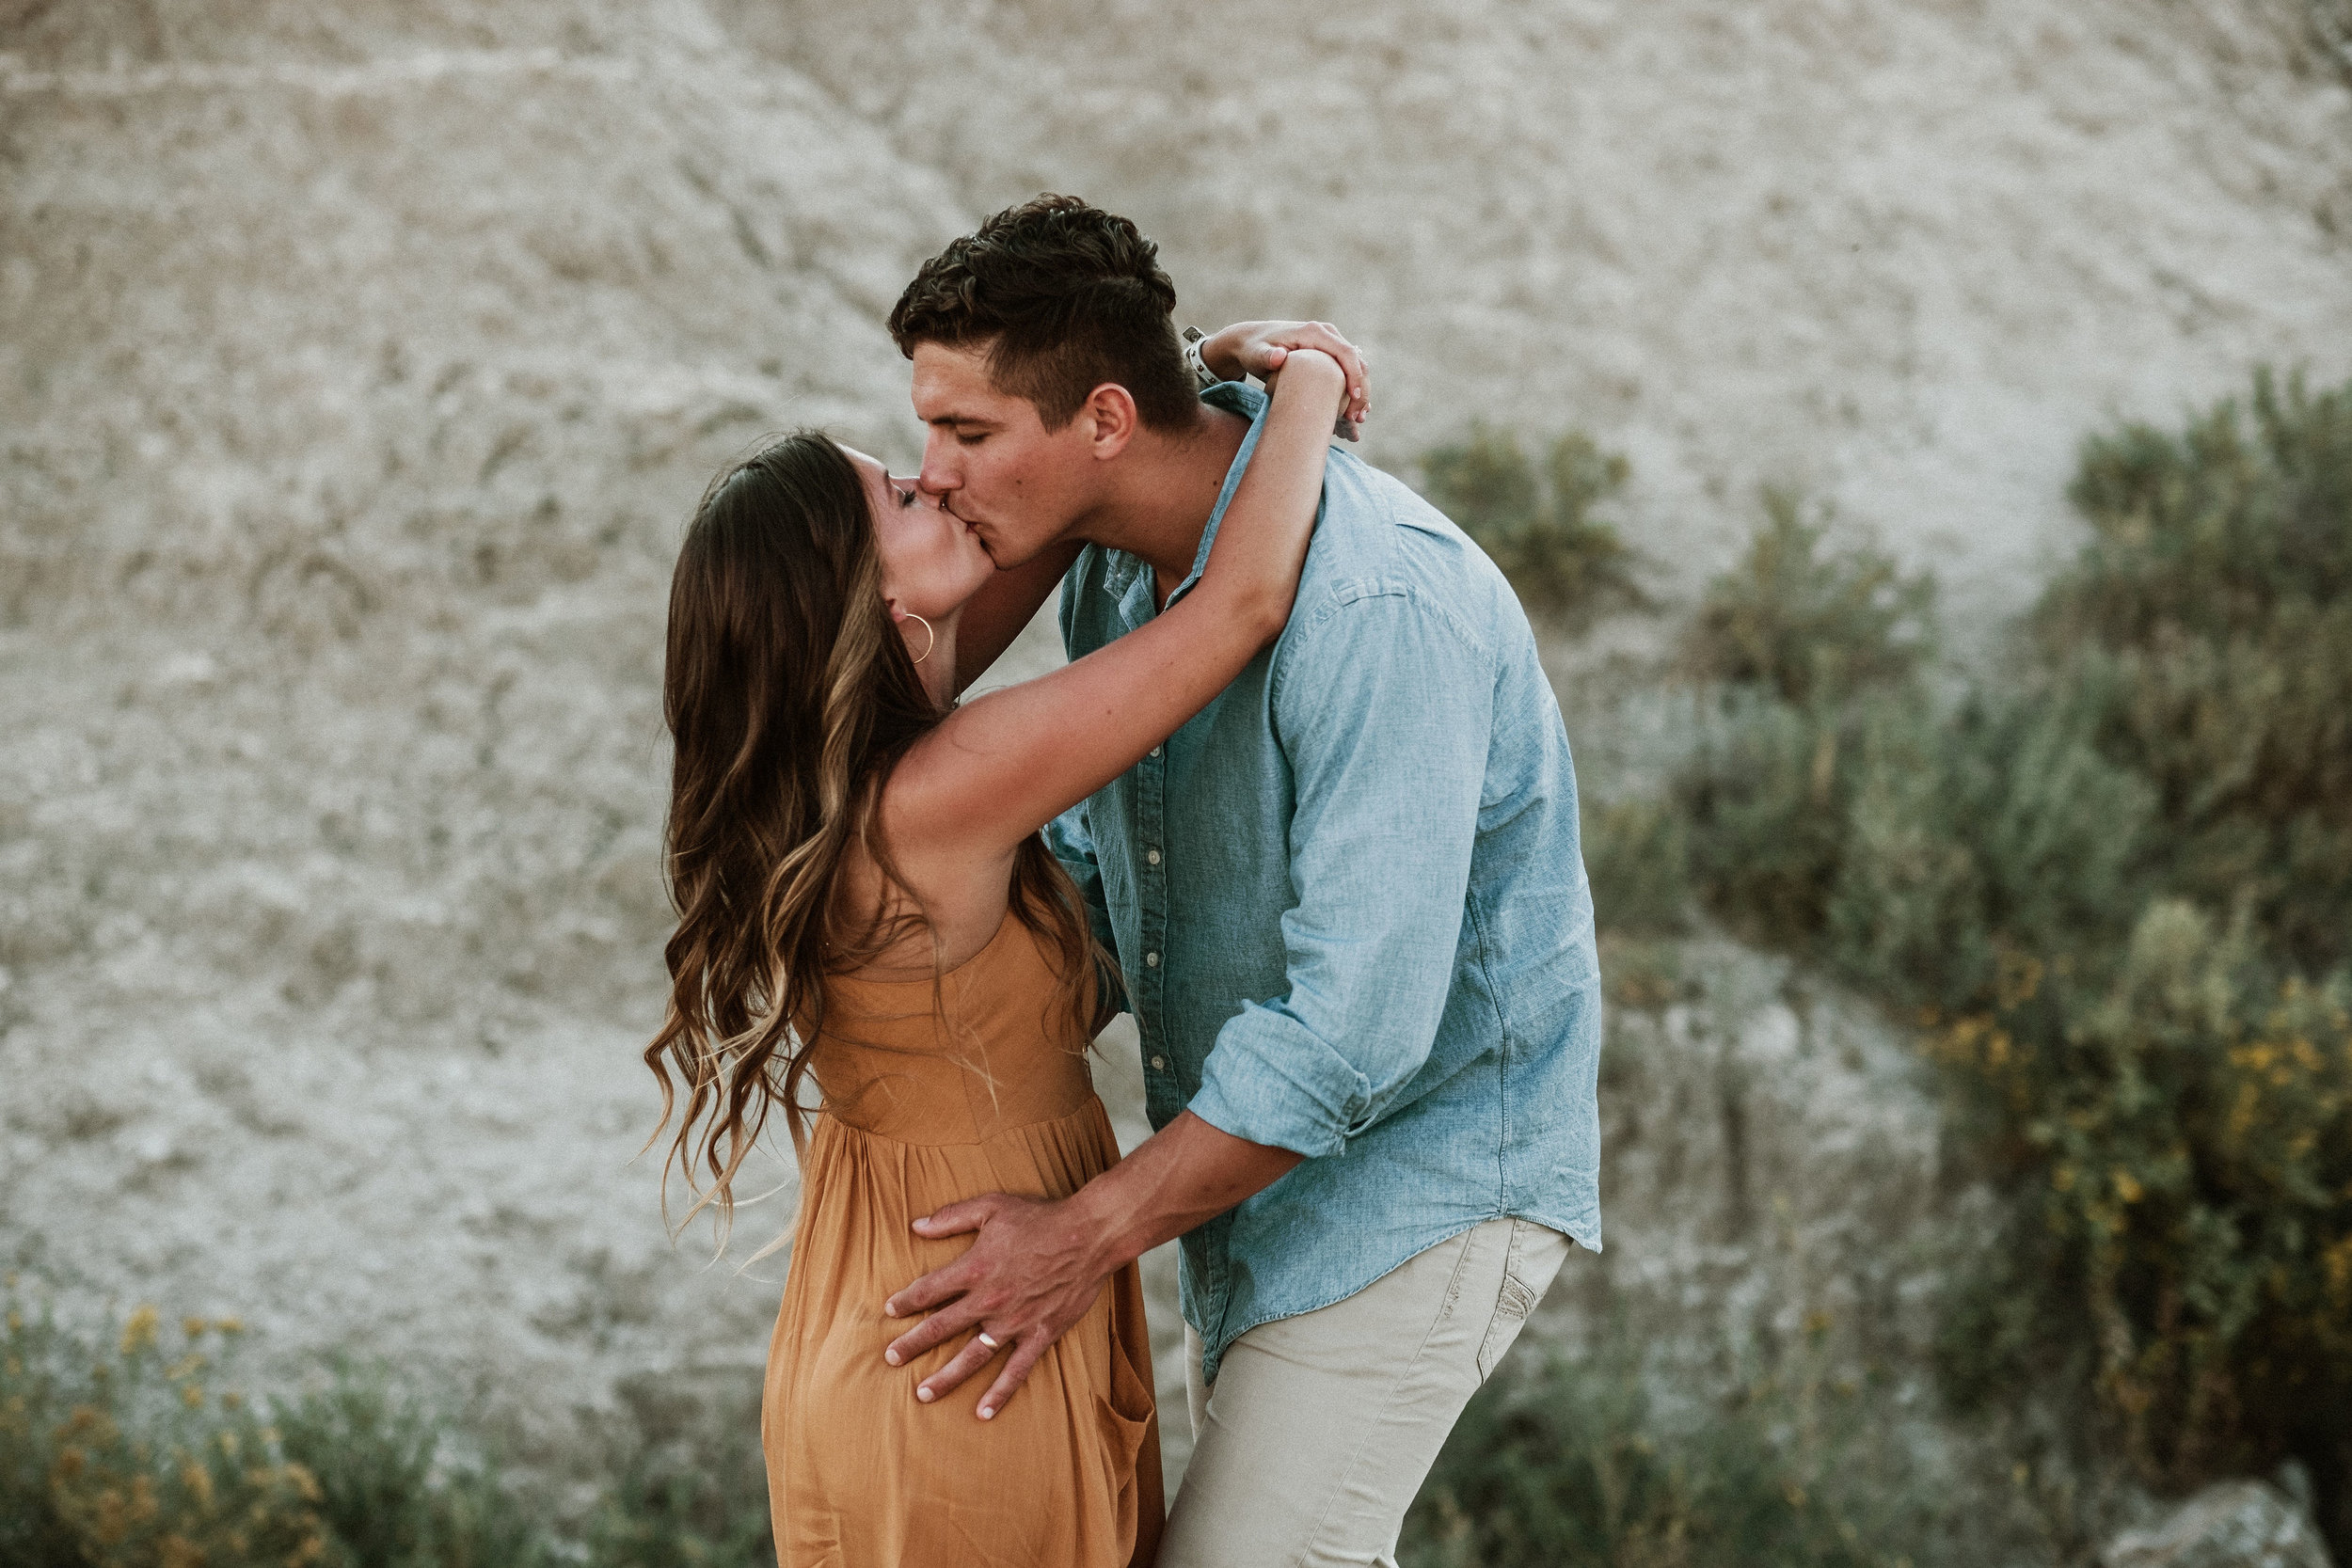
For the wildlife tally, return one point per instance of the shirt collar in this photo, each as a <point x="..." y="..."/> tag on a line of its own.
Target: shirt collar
<point x="1234" y="397"/>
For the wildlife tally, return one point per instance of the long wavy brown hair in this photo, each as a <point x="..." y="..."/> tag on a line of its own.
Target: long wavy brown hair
<point x="790" y="696"/>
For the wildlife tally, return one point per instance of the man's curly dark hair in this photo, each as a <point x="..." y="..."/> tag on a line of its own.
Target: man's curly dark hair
<point x="1065" y="297"/>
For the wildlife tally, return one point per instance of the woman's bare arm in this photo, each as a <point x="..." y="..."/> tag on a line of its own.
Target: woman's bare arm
<point x="1004" y="764"/>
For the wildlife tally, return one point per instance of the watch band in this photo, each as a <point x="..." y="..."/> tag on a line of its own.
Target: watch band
<point x="1203" y="377"/>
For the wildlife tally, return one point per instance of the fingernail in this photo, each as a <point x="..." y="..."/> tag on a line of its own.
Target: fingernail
<point x="889" y="1310"/>
<point x="891" y="1356"/>
<point x="923" y="1394"/>
<point x="987" y="1411"/>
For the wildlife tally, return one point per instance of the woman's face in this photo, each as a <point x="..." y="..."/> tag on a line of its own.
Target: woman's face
<point x="932" y="564"/>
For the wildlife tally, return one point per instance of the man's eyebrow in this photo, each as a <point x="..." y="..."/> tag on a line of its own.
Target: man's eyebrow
<point x="953" y="417"/>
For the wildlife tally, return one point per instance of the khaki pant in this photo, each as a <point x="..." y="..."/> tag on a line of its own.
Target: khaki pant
<point x="1321" y="1428"/>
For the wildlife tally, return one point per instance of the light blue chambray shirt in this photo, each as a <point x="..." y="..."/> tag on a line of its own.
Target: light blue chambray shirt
<point x="1351" y="909"/>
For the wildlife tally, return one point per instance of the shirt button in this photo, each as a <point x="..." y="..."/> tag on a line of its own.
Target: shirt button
<point x="1159" y="1064"/>
<point x="1150" y="960"/>
<point x="1155" y="751"/>
<point x="1152" y="856"/>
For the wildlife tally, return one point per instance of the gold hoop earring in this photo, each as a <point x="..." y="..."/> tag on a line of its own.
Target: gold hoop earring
<point x="927" y="632"/>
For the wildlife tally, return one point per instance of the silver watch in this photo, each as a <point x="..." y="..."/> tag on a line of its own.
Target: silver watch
<point x="1202" y="376"/>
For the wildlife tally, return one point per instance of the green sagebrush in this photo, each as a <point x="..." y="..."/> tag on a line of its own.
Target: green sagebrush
<point x="1567" y="1466"/>
<point x="1537" y="523"/>
<point x="119" y="1450"/>
<point x="2114" y="882"/>
<point x="122" y="1452"/>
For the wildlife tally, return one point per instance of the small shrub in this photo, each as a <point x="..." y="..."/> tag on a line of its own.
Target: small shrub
<point x="130" y="1456"/>
<point x="1766" y="793"/>
<point x="389" y="1497"/>
<point x="1809" y="625"/>
<point x="1567" y="1466"/>
<point x="1813" y="654"/>
<point x="2183" y="1139"/>
<point x="690" y="1493"/>
<point x="1539" y="526"/>
<point x="2211" y="615"/>
<point x="1637" y="854"/>
<point x="678" y="1515"/>
<point x="1995" y="828"/>
<point x="118" y="1453"/>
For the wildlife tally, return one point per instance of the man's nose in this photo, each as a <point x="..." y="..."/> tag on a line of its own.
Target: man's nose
<point x="938" y="474"/>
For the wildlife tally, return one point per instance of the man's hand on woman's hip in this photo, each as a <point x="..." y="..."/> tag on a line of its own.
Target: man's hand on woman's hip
<point x="1036" y="1264"/>
<point x="1034" y="1269"/>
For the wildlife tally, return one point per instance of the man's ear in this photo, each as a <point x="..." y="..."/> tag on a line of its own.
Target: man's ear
<point x="1111" y="410"/>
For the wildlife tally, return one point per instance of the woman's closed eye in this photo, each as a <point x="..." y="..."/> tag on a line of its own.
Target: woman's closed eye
<point x="906" y="496"/>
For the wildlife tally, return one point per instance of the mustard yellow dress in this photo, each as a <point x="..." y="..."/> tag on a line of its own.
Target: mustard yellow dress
<point x="931" y="1097"/>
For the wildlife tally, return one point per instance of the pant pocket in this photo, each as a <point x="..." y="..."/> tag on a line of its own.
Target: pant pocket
<point x="1514" y="1301"/>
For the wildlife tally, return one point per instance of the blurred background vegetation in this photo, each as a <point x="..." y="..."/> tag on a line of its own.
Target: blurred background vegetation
<point x="2106" y="878"/>
<point x="123" y="1444"/>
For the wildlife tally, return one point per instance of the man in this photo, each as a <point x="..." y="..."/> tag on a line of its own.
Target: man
<point x="1347" y="899"/>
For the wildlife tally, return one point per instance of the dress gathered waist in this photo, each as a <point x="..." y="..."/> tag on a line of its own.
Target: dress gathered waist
<point x="1087" y="1113"/>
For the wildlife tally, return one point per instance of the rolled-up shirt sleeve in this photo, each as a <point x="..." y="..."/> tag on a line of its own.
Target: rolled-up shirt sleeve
<point x="1383" y="709"/>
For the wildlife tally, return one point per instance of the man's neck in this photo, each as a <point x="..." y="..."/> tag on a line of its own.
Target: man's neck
<point x="1165" y="487"/>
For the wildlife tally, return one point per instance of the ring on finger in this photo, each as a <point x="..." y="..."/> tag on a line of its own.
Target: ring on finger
<point x="990" y="1342"/>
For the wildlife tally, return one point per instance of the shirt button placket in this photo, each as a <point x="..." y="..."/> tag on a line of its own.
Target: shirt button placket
<point x="1154" y="899"/>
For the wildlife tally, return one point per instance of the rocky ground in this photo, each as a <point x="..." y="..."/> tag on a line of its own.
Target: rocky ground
<point x="358" y="365"/>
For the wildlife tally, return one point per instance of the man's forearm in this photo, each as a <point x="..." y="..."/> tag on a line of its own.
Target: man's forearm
<point x="1183" y="1174"/>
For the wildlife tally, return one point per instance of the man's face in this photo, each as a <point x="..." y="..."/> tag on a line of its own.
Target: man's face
<point x="989" y="461"/>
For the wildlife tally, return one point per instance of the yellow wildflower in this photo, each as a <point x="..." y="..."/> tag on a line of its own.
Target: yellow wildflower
<point x="112" y="1521"/>
<point x="138" y="1331"/>
<point x="2017" y="977"/>
<point x="2337" y="1262"/>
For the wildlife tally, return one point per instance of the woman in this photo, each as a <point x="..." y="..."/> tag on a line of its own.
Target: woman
<point x="866" y="905"/>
